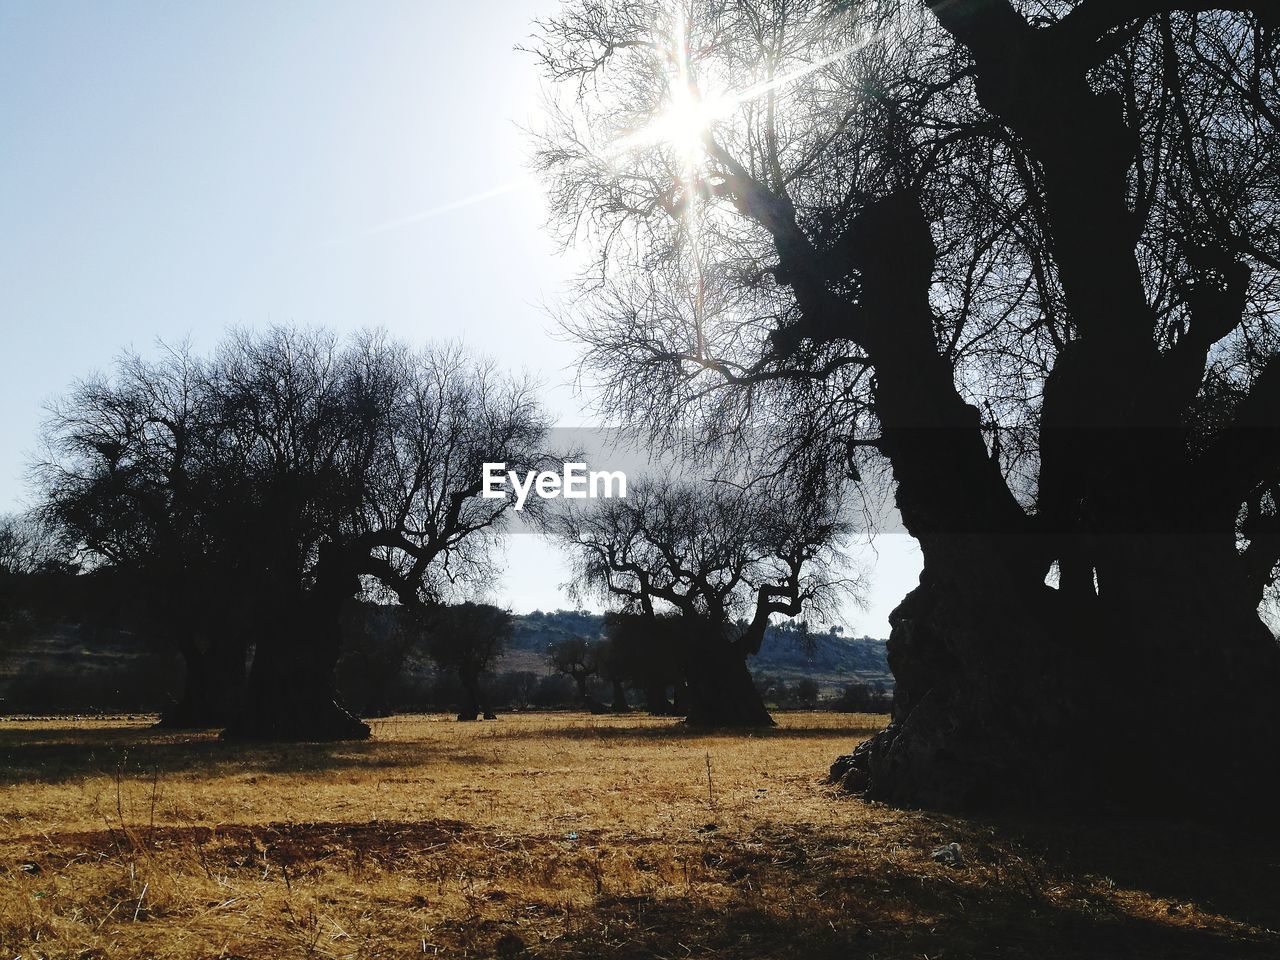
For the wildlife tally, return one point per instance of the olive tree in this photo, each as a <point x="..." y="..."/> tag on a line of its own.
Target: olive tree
<point x="1022" y="253"/>
<point x="252" y="497"/>
<point x="726" y="559"/>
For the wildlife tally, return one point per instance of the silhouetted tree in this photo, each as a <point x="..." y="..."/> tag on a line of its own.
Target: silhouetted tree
<point x="469" y="638"/>
<point x="28" y="545"/>
<point x="711" y="552"/>
<point x="645" y="653"/>
<point x="252" y="498"/>
<point x="578" y="658"/>
<point x="862" y="698"/>
<point x="377" y="641"/>
<point x="806" y="693"/>
<point x="135" y="481"/>
<point x="519" y="688"/>
<point x="1025" y="255"/>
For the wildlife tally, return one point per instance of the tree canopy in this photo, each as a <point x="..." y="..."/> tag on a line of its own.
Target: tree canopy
<point x="1022" y="254"/>
<point x="251" y="494"/>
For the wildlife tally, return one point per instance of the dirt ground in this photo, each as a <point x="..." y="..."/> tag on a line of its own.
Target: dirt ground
<point x="564" y="835"/>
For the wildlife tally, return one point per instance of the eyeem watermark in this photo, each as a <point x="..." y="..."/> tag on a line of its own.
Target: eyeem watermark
<point x="574" y="483"/>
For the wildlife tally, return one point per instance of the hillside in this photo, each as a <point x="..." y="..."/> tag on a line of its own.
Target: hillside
<point x="829" y="658"/>
<point x="69" y="668"/>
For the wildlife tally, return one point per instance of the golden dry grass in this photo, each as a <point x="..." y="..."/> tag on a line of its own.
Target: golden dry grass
<point x="570" y="836"/>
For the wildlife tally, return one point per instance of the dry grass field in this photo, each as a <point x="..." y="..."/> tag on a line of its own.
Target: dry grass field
<point x="571" y="836"/>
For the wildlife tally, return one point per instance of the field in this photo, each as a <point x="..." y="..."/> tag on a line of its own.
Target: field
<point x="564" y="835"/>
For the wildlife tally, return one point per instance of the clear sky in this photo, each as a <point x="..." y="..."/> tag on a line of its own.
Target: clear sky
<point x="170" y="169"/>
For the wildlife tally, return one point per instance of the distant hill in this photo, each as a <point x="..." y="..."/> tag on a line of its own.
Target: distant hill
<point x="68" y="668"/>
<point x="831" y="659"/>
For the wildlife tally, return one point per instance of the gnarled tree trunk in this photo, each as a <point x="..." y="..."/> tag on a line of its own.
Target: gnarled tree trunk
<point x="1014" y="693"/>
<point x="290" y="694"/>
<point x="719" y="691"/>
<point x="619" y="704"/>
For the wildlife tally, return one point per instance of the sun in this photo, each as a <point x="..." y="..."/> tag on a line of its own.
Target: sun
<point x="686" y="122"/>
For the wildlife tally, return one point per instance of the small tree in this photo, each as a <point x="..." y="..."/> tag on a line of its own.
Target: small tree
<point x="724" y="559"/>
<point x="524" y="684"/>
<point x="806" y="693"/>
<point x="578" y="658"/>
<point x="859" y="697"/>
<point x="469" y="638"/>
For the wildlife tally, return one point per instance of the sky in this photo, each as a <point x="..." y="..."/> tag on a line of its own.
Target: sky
<point x="170" y="170"/>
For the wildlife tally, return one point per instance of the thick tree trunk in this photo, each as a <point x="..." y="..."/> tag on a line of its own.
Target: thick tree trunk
<point x="469" y="711"/>
<point x="656" y="702"/>
<point x="290" y="694"/>
<point x="1009" y="692"/>
<point x="719" y="689"/>
<point x="213" y="686"/>
<point x="619" y="704"/>
<point x="1010" y="696"/>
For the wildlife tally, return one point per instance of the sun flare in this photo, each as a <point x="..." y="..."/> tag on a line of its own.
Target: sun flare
<point x="685" y="123"/>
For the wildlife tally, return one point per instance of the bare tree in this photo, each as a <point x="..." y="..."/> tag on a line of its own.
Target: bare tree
<point x="469" y="637"/>
<point x="28" y="545"/>
<point x="806" y="693"/>
<point x="1024" y="252"/>
<point x="578" y="658"/>
<point x="727" y="559"/>
<point x="254" y="496"/>
<point x="133" y="480"/>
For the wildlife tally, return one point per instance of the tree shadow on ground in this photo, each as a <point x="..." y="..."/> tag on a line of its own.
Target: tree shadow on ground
<point x="658" y="728"/>
<point x="1082" y="890"/>
<point x="975" y="926"/>
<point x="1227" y="866"/>
<point x="59" y="756"/>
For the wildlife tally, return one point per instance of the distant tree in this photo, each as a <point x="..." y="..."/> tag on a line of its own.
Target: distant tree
<point x="578" y="658"/>
<point x="645" y="653"/>
<point x="295" y="473"/>
<point x="469" y="638"/>
<point x="860" y="697"/>
<point x="554" y="690"/>
<point x="806" y="693"/>
<point x="524" y="684"/>
<point x="34" y="575"/>
<point x="28" y="545"/>
<point x="726" y="560"/>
